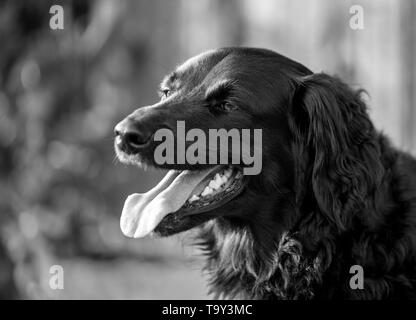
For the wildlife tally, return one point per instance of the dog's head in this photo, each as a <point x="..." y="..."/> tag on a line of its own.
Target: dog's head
<point x="305" y="120"/>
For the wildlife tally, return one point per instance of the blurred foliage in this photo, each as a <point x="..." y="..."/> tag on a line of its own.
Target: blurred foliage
<point x="61" y="93"/>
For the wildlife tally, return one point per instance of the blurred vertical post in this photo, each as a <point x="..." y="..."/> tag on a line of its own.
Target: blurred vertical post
<point x="408" y="72"/>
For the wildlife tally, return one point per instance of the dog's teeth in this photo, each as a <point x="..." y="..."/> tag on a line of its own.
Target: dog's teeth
<point x="213" y="184"/>
<point x="206" y="191"/>
<point x="193" y="198"/>
<point x="218" y="180"/>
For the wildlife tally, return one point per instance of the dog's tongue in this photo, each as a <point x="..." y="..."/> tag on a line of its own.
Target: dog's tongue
<point x="143" y="212"/>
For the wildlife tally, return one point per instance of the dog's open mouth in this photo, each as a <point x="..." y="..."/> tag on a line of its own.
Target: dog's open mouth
<point x="187" y="192"/>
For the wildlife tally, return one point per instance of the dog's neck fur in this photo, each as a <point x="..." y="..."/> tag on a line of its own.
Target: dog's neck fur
<point x="240" y="269"/>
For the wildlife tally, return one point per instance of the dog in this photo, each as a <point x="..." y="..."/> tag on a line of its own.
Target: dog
<point x="331" y="215"/>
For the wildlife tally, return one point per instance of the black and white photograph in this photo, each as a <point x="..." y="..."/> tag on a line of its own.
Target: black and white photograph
<point x="220" y="151"/>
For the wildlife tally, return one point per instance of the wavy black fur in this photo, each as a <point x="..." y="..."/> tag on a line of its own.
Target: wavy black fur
<point x="355" y="204"/>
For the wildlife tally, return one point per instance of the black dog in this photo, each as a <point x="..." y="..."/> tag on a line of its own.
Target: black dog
<point x="332" y="192"/>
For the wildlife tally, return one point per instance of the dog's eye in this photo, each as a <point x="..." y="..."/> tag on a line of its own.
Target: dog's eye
<point x="165" y="93"/>
<point x="225" y="106"/>
<point x="222" y="107"/>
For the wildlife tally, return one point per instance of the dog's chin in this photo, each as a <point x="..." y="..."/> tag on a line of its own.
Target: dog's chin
<point x="132" y="159"/>
<point x="204" y="203"/>
<point x="176" y="223"/>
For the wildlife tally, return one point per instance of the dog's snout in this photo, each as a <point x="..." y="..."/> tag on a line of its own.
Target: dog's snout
<point x="129" y="136"/>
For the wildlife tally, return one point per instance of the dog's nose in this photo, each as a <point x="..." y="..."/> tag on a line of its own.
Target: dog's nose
<point x="129" y="137"/>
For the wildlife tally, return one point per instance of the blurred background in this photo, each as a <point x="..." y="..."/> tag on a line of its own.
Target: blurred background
<point x="62" y="92"/>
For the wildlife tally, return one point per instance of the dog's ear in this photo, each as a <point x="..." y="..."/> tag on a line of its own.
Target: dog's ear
<point x="337" y="143"/>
